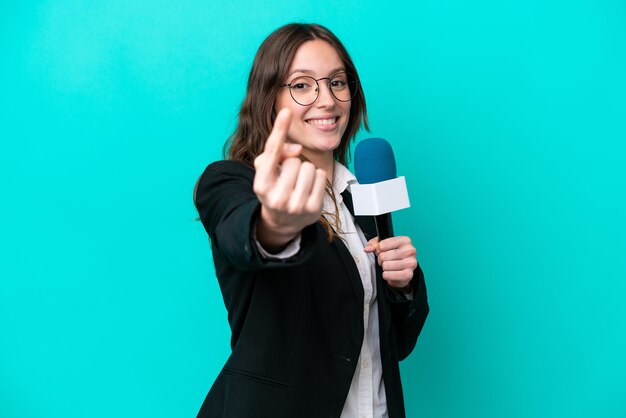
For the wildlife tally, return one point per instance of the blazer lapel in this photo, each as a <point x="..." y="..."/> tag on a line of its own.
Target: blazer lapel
<point x="368" y="226"/>
<point x="350" y="266"/>
<point x="348" y="262"/>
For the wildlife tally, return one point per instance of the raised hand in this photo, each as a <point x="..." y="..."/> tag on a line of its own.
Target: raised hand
<point x="397" y="257"/>
<point x="290" y="191"/>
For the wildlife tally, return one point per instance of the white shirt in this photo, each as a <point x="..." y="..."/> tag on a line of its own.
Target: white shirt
<point x="366" y="397"/>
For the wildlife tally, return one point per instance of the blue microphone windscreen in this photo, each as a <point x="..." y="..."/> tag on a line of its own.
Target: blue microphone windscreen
<point x="374" y="161"/>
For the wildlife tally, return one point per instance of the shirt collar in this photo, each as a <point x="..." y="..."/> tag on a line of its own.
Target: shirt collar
<point x="342" y="179"/>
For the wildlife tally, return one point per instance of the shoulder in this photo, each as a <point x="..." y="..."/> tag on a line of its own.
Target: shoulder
<point x="220" y="172"/>
<point x="228" y="168"/>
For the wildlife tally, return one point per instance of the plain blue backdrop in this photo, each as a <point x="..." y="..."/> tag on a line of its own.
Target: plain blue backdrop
<point x="507" y="119"/>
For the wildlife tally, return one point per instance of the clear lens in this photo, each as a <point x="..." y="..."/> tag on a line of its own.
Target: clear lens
<point x="340" y="88"/>
<point x="304" y="90"/>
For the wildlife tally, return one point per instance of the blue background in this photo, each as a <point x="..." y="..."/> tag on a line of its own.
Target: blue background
<point x="507" y="119"/>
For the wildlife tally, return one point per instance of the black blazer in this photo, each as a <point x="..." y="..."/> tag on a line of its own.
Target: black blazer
<point x="297" y="324"/>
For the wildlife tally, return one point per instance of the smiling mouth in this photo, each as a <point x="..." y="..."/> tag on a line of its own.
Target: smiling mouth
<point x="322" y="122"/>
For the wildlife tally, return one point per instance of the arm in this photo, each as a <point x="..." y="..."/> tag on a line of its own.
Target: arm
<point x="228" y="209"/>
<point x="397" y="259"/>
<point x="408" y="316"/>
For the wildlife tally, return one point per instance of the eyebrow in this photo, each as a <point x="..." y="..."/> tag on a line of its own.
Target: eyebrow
<point x="336" y="70"/>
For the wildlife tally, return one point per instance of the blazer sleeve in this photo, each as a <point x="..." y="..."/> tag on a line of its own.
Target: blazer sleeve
<point x="409" y="316"/>
<point x="228" y="209"/>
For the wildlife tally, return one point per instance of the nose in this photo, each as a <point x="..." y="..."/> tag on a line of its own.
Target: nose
<point x="325" y="97"/>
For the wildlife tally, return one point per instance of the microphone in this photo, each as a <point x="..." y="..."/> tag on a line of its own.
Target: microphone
<point x="378" y="192"/>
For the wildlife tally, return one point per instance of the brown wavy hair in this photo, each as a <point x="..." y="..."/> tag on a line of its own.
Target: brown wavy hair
<point x="269" y="70"/>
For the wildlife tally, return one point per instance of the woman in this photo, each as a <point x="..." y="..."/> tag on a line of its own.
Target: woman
<point x="320" y="316"/>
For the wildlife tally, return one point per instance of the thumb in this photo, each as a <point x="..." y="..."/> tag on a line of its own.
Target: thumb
<point x="371" y="246"/>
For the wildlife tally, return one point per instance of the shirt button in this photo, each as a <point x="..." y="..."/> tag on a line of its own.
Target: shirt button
<point x="357" y="259"/>
<point x="366" y="364"/>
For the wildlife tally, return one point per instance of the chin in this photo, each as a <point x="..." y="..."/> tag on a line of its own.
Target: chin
<point x="327" y="144"/>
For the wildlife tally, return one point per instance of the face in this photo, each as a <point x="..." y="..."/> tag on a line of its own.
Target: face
<point x="319" y="126"/>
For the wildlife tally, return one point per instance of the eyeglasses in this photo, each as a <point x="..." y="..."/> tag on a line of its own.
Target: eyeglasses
<point x="305" y="90"/>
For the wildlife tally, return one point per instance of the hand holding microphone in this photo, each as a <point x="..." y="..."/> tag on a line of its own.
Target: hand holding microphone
<point x="397" y="257"/>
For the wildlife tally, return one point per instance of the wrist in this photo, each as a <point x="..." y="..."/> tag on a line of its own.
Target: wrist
<point x="406" y="289"/>
<point x="273" y="237"/>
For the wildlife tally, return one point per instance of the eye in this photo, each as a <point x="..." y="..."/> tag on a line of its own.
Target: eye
<point x="338" y="84"/>
<point x="302" y="84"/>
<point x="339" y="81"/>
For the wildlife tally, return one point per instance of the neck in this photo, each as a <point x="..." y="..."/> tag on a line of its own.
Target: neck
<point x="325" y="161"/>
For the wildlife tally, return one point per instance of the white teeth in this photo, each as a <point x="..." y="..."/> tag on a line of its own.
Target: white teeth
<point x="322" y="121"/>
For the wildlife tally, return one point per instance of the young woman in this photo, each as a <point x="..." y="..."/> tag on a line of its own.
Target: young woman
<point x="320" y="311"/>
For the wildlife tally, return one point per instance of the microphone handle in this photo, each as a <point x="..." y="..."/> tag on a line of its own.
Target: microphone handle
<point x="384" y="226"/>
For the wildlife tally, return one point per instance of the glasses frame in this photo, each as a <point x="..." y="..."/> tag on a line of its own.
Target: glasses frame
<point x="352" y="86"/>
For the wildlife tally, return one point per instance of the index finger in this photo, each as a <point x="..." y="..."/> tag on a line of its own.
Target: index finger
<point x="274" y="143"/>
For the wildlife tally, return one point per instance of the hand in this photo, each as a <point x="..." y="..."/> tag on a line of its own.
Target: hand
<point x="291" y="191"/>
<point x="397" y="257"/>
